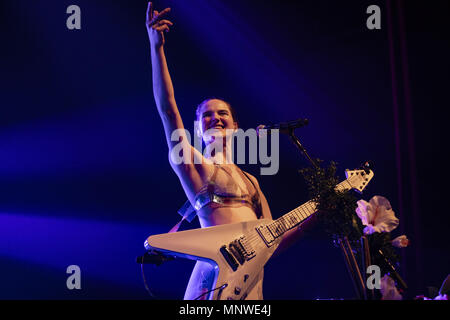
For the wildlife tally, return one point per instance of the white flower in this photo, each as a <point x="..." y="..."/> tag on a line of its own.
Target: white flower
<point x="388" y="289"/>
<point x="400" y="242"/>
<point x="377" y="215"/>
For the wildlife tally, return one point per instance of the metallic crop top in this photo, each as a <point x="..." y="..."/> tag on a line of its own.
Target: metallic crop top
<point x="223" y="190"/>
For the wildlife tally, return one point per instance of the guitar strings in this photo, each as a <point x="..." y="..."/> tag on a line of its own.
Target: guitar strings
<point x="299" y="213"/>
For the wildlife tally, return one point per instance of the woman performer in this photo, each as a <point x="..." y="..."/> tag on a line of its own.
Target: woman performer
<point x="220" y="192"/>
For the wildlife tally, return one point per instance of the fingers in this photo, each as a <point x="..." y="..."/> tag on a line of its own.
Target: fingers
<point x="155" y="21"/>
<point x="156" y="16"/>
<point x="161" y="22"/>
<point x="164" y="27"/>
<point x="166" y="10"/>
<point x="149" y="14"/>
<point x="261" y="133"/>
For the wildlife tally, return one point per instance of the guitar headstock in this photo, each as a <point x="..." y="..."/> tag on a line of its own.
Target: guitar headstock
<point x="360" y="178"/>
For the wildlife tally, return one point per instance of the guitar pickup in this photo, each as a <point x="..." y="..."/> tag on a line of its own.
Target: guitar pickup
<point x="229" y="258"/>
<point x="237" y="251"/>
<point x="245" y="247"/>
<point x="266" y="235"/>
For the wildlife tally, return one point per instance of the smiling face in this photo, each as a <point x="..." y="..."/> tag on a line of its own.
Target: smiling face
<point x="215" y="117"/>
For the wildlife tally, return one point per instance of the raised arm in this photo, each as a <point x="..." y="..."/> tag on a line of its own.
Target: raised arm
<point x="162" y="84"/>
<point x="163" y="91"/>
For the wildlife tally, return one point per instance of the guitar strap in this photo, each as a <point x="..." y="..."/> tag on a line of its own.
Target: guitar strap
<point x="187" y="212"/>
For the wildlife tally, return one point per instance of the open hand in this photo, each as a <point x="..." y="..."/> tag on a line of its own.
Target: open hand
<point x="156" y="26"/>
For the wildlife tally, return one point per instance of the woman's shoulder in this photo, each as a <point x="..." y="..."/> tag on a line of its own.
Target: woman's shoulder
<point x="252" y="178"/>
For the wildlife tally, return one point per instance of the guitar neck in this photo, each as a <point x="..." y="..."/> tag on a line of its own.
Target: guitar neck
<point x="293" y="218"/>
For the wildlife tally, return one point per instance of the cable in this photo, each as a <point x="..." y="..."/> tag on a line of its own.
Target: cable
<point x="221" y="287"/>
<point x="145" y="281"/>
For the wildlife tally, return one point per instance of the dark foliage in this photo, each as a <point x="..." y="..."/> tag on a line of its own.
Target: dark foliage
<point x="337" y="215"/>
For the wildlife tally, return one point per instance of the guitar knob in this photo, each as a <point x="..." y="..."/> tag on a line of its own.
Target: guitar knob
<point x="237" y="291"/>
<point x="246" y="277"/>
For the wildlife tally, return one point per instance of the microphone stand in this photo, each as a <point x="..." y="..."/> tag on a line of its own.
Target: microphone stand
<point x="347" y="251"/>
<point x="297" y="143"/>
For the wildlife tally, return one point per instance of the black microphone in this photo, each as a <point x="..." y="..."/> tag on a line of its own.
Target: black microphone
<point x="285" y="127"/>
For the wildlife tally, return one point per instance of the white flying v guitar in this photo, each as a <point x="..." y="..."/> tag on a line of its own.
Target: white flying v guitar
<point x="240" y="250"/>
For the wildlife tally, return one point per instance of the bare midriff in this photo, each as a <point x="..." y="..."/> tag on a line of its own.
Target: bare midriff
<point x="209" y="216"/>
<point x="213" y="215"/>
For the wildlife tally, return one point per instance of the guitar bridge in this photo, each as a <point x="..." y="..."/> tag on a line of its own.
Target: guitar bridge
<point x="244" y="249"/>
<point x="238" y="251"/>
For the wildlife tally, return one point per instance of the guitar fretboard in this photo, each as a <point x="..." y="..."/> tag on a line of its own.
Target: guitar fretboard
<point x="299" y="214"/>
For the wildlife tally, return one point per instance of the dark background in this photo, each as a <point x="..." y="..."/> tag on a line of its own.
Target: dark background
<point x="84" y="173"/>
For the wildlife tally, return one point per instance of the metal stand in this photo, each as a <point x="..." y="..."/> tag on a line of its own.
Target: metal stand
<point x="297" y="143"/>
<point x="393" y="272"/>
<point x="366" y="262"/>
<point x="347" y="251"/>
